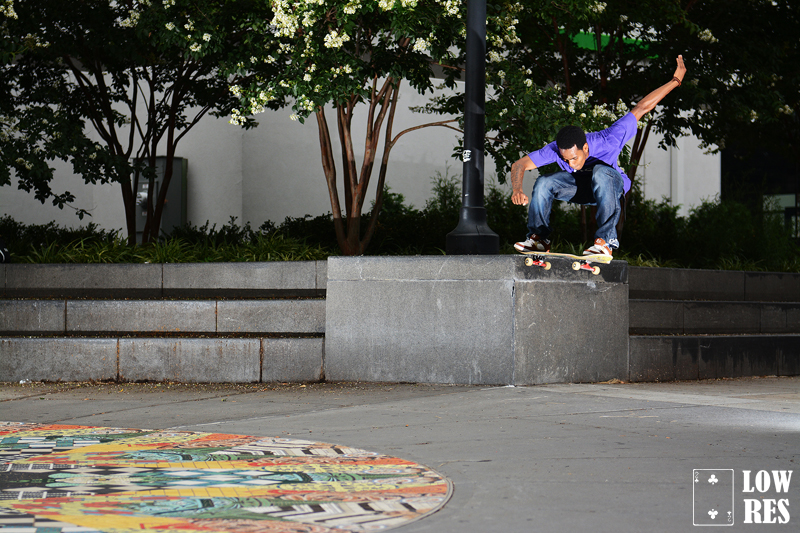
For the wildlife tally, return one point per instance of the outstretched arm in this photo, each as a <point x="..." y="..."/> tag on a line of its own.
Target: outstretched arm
<point x="518" y="197"/>
<point x="649" y="102"/>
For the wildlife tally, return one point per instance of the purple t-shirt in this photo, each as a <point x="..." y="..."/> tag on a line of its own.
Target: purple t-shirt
<point x="604" y="146"/>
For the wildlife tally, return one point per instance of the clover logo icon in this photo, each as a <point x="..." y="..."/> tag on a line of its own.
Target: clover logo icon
<point x="713" y="479"/>
<point x="713" y="513"/>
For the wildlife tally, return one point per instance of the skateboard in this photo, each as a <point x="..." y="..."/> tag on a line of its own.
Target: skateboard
<point x="580" y="262"/>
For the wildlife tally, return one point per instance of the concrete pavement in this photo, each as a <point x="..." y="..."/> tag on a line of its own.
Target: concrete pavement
<point x="584" y="457"/>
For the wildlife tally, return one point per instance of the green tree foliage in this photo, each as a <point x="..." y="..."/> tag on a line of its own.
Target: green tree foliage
<point x="744" y="81"/>
<point x="354" y="55"/>
<point x="107" y="85"/>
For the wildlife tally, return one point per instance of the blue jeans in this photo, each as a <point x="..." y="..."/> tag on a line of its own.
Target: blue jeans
<point x="607" y="189"/>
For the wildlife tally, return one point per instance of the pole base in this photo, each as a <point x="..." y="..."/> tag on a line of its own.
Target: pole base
<point x="472" y="236"/>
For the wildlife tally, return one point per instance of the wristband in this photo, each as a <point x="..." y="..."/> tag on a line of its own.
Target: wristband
<point x="675" y="78"/>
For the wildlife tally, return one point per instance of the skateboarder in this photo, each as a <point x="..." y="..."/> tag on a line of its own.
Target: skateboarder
<point x="589" y="175"/>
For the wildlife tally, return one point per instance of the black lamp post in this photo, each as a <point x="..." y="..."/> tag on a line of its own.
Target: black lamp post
<point x="473" y="235"/>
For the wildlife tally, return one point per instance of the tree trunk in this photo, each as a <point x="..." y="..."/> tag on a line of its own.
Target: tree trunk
<point x="347" y="225"/>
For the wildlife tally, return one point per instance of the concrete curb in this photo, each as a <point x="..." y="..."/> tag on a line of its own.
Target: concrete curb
<point x="149" y="281"/>
<point x="665" y="358"/>
<point x="719" y="285"/>
<point x="194" y="360"/>
<point x="160" y="317"/>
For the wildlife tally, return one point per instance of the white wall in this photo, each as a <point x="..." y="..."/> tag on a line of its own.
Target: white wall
<point x="275" y="171"/>
<point x="684" y="174"/>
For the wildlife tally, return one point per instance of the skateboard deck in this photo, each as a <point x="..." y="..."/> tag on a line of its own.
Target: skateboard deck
<point x="580" y="262"/>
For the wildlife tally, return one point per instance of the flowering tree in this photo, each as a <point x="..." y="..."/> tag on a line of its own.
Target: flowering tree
<point x="135" y="74"/>
<point x="353" y="54"/>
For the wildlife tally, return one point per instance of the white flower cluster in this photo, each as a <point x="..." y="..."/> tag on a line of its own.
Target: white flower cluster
<point x="786" y="110"/>
<point x="494" y="57"/>
<point x="285" y="19"/>
<point x="386" y="5"/>
<point x="304" y="102"/>
<point x="195" y="47"/>
<point x="206" y="37"/>
<point x="334" y="40"/>
<point x="170" y="26"/>
<point x="423" y="45"/>
<point x="24" y="163"/>
<point x="346" y="69"/>
<point x="451" y="6"/>
<point x="408" y="3"/>
<point x="237" y="119"/>
<point x="598" y="7"/>
<point x="34" y="40"/>
<point x="706" y="36"/>
<point x="132" y="20"/>
<point x="7" y="9"/>
<point x="309" y="19"/>
<point x="168" y="3"/>
<point x="352" y="7"/>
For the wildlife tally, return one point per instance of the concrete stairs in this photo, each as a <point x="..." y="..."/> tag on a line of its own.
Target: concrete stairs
<point x="705" y="324"/>
<point x="265" y="322"/>
<point x="174" y="322"/>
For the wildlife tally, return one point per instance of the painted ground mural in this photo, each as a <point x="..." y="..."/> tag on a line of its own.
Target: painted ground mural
<point x="83" y="479"/>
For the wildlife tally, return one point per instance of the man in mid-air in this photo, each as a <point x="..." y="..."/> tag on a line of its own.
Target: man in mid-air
<point x="589" y="175"/>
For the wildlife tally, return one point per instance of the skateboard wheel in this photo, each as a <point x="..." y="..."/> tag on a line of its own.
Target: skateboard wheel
<point x="547" y="265"/>
<point x="595" y="270"/>
<point x="576" y="266"/>
<point x="528" y="261"/>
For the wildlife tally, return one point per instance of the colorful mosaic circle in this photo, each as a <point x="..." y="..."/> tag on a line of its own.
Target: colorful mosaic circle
<point x="84" y="479"/>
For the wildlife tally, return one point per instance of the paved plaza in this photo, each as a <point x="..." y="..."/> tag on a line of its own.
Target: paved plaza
<point x="606" y="457"/>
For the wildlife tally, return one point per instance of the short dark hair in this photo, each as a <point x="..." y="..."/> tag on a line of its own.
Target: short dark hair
<point x="570" y="136"/>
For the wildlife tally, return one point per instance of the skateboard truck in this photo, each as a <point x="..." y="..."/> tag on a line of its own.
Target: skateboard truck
<point x="583" y="264"/>
<point x="537" y="260"/>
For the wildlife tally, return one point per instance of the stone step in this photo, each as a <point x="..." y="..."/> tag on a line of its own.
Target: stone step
<point x="192" y="360"/>
<point x="716" y="285"/>
<point x="148" y="317"/>
<point x="183" y="280"/>
<point x="675" y="317"/>
<point x="669" y="358"/>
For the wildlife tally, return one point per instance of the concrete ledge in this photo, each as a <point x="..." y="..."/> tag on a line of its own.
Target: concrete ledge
<point x="273" y="316"/>
<point x="197" y="360"/>
<point x="670" y="317"/>
<point x="772" y="287"/>
<point x="145" y="281"/>
<point x="190" y="360"/>
<point x="83" y="281"/>
<point x="58" y="359"/>
<point x="711" y="357"/>
<point x="686" y="284"/>
<point x="33" y="317"/>
<point x="292" y="360"/>
<point x="473" y="320"/>
<point x="718" y="285"/>
<point x="242" y="280"/>
<point x="140" y="316"/>
<point x="148" y="317"/>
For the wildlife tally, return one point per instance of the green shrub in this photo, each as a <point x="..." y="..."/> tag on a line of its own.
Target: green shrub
<point x="716" y="234"/>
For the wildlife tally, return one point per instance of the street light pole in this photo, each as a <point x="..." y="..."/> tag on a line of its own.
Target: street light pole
<point x="473" y="235"/>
